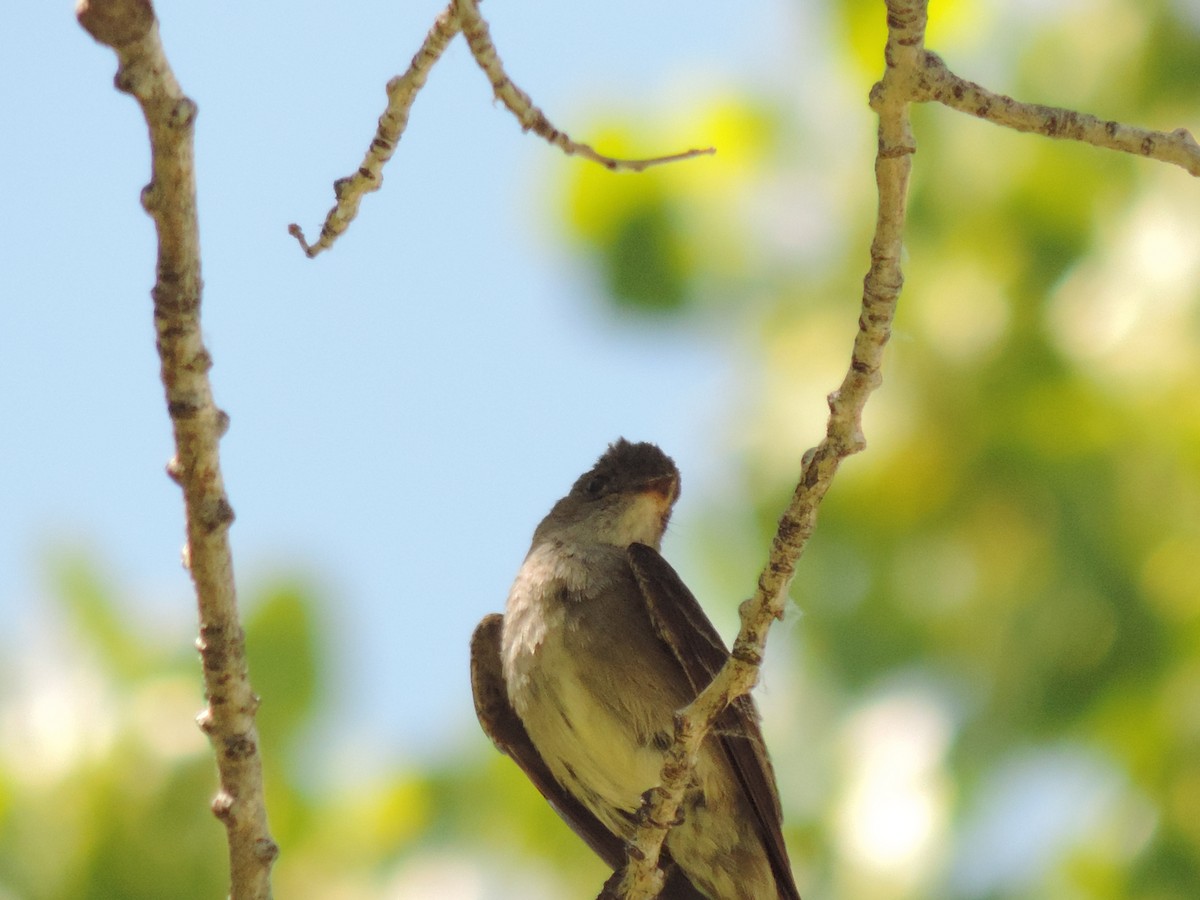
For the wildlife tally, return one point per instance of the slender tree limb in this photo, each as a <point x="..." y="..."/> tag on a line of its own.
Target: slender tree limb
<point x="402" y="92"/>
<point x="478" y="36"/>
<point x="890" y="99"/>
<point x="130" y="28"/>
<point x="913" y="75"/>
<point x="939" y="84"/>
<point x="459" y="15"/>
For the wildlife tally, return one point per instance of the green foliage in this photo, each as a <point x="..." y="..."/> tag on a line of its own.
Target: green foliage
<point x="106" y="779"/>
<point x="105" y="782"/>
<point x="283" y="653"/>
<point x="641" y="263"/>
<point x="89" y="603"/>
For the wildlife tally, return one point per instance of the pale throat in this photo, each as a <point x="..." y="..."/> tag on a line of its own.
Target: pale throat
<point x="643" y="521"/>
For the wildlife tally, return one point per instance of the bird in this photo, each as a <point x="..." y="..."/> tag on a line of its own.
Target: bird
<point x="578" y="681"/>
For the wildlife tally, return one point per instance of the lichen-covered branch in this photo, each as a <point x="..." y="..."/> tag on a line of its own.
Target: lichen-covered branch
<point x="890" y="99"/>
<point x="939" y="84"/>
<point x="402" y="92"/>
<point x="130" y="28"/>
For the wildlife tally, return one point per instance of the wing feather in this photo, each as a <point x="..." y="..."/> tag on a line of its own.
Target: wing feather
<point x="681" y="624"/>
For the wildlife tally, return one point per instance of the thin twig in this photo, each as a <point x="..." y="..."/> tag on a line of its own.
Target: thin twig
<point x="478" y="36"/>
<point x="402" y="91"/>
<point x="1177" y="147"/>
<point x="881" y="289"/>
<point x="129" y="27"/>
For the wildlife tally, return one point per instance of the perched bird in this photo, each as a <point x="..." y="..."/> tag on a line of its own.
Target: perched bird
<point x="600" y="644"/>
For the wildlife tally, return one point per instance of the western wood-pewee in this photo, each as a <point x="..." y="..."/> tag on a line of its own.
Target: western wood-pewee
<point x="600" y="644"/>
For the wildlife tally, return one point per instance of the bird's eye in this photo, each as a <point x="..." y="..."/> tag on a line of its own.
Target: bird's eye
<point x="596" y="484"/>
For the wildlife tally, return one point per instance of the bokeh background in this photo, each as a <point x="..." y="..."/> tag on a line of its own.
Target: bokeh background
<point x="988" y="685"/>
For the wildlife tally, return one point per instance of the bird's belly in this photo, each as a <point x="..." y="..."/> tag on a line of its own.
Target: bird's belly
<point x="596" y="755"/>
<point x="592" y="749"/>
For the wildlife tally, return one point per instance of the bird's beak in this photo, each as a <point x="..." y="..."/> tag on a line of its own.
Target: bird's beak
<point x="651" y="510"/>
<point x="666" y="488"/>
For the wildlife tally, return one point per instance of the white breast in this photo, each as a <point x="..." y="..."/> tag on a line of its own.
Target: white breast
<point x="589" y="748"/>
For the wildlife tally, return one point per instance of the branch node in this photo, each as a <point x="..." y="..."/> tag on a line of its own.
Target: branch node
<point x="124" y="80"/>
<point x="149" y="197"/>
<point x="239" y="747"/>
<point x="115" y="24"/>
<point x="183" y="113"/>
<point x="222" y="806"/>
<point x="266" y="850"/>
<point x="183" y="409"/>
<point x="747" y="653"/>
<point x="217" y="514"/>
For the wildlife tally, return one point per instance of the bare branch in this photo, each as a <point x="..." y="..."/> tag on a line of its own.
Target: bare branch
<point x="1177" y="147"/>
<point x="890" y="99"/>
<point x="475" y="30"/>
<point x="130" y="28"/>
<point x="402" y="91"/>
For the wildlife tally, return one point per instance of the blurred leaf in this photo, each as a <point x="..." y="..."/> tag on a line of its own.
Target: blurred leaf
<point x="642" y="266"/>
<point x="283" y="654"/>
<point x="90" y="604"/>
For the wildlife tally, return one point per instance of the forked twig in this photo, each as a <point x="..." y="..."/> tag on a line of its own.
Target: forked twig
<point x="459" y="15"/>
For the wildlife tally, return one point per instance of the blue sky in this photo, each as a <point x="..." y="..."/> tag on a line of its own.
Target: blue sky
<point x="404" y="408"/>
